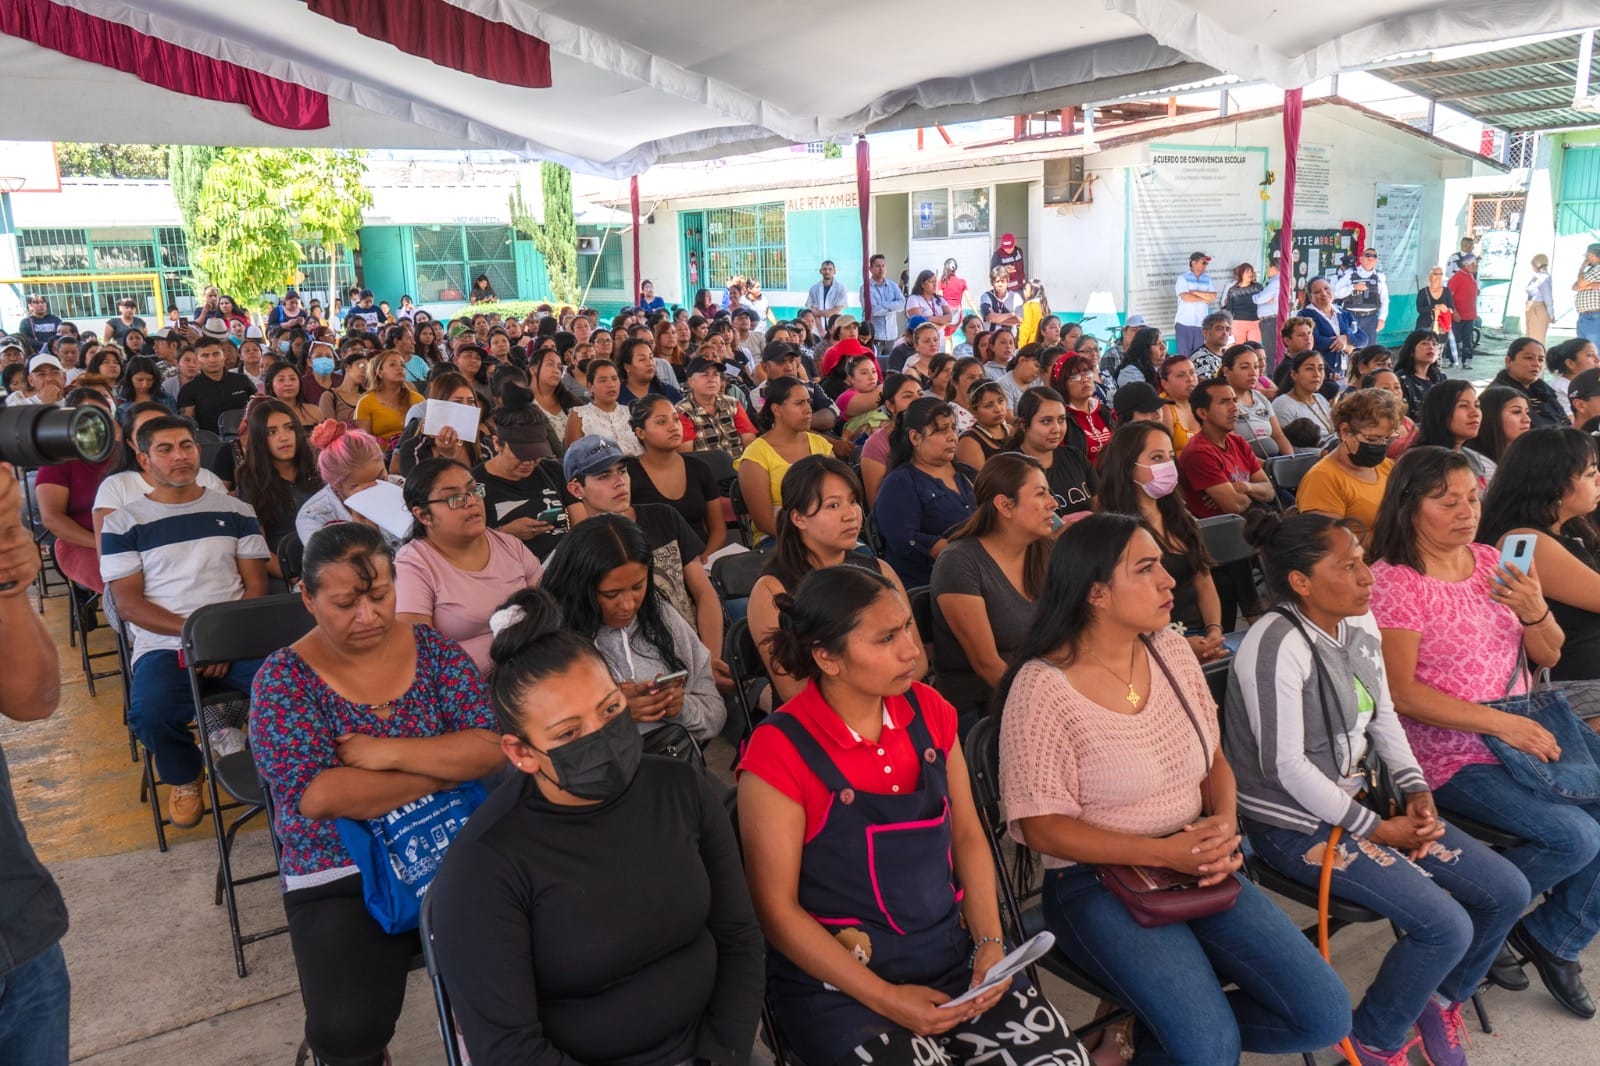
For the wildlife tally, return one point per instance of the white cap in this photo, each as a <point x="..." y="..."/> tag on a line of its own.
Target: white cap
<point x="252" y="333"/>
<point x="7" y="343"/>
<point x="45" y="359"/>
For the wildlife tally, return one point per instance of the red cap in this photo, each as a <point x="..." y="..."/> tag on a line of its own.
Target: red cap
<point x="1008" y="241"/>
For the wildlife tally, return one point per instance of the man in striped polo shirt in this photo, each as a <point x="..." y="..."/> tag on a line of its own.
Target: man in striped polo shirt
<point x="164" y="556"/>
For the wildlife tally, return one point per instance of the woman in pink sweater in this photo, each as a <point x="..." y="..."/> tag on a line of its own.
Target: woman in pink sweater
<point x="1109" y="755"/>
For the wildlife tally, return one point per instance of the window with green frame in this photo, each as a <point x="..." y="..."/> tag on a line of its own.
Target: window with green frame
<point x="449" y="258"/>
<point x="747" y="242"/>
<point x="107" y="251"/>
<point x="601" y="268"/>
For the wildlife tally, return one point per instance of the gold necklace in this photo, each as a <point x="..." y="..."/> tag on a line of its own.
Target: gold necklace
<point x="1133" y="696"/>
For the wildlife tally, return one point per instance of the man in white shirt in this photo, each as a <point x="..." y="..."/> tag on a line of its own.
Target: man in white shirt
<point x="827" y="297"/>
<point x="164" y="556"/>
<point x="48" y="380"/>
<point x="1195" y="295"/>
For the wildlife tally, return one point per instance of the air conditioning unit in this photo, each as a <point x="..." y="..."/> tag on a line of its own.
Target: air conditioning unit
<point x="1064" y="182"/>
<point x="588" y="245"/>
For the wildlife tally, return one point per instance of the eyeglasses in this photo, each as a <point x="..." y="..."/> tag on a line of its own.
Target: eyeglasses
<point x="1082" y="376"/>
<point x="461" y="499"/>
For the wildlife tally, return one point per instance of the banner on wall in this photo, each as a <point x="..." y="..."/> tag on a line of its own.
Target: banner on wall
<point x="1397" y="235"/>
<point x="1187" y="200"/>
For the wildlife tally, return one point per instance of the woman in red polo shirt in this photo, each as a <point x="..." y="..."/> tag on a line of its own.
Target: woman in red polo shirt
<point x="866" y="860"/>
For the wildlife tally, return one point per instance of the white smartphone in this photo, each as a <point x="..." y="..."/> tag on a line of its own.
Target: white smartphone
<point x="1517" y="551"/>
<point x="669" y="680"/>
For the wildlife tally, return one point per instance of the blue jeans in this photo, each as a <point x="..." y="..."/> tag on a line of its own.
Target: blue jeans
<point x="35" y="1000"/>
<point x="1287" y="1000"/>
<point x="1560" y="856"/>
<point x="1188" y="339"/>
<point x="1589" y="326"/>
<point x="1455" y="908"/>
<point x="161" y="707"/>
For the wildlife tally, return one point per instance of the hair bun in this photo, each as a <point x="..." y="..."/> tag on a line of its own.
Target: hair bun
<point x="1260" y="527"/>
<point x="530" y="614"/>
<point x="326" y="432"/>
<point x="515" y="396"/>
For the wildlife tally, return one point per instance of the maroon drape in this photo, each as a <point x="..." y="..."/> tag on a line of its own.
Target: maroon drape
<point x="864" y="208"/>
<point x="638" y="268"/>
<point x="445" y="34"/>
<point x="161" y="63"/>
<point x="1293" y="108"/>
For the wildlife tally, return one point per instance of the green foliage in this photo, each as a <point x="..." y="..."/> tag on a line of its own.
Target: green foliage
<point x="556" y="237"/>
<point x="112" y="160"/>
<point x="255" y="205"/>
<point x="186" y="169"/>
<point x="830" y="150"/>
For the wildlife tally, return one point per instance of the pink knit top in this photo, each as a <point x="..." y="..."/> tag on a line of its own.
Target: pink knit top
<point x="1140" y="773"/>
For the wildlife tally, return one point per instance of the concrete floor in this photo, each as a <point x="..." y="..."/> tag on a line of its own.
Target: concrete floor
<point x="153" y="971"/>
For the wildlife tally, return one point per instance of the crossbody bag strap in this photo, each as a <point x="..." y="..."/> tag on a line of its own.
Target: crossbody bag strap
<point x="1183" y="701"/>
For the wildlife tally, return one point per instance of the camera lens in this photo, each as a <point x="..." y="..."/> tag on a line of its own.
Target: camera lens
<point x="35" y="435"/>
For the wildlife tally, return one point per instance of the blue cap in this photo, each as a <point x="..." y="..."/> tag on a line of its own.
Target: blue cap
<point x="589" y="455"/>
<point x="915" y="320"/>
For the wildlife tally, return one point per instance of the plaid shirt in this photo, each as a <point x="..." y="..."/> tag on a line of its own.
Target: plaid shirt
<point x="715" y="429"/>
<point x="1586" y="300"/>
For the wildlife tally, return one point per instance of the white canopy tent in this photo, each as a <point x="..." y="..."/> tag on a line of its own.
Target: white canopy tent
<point x="636" y="83"/>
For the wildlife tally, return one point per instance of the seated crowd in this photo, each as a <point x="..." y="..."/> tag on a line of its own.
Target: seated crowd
<point x="1069" y="552"/>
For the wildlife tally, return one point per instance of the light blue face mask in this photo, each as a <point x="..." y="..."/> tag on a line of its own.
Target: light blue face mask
<point x="283" y="346"/>
<point x="322" y="365"/>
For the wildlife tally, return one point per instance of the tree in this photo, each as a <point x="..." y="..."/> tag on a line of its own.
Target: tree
<point x="255" y="206"/>
<point x="557" y="237"/>
<point x="112" y="160"/>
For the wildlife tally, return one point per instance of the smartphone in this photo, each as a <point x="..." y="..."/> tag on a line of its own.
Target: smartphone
<point x="669" y="680"/>
<point x="183" y="323"/>
<point x="1517" y="551"/>
<point x="552" y="515"/>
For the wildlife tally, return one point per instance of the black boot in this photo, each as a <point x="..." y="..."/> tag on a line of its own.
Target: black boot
<point x="1560" y="977"/>
<point x="1507" y="972"/>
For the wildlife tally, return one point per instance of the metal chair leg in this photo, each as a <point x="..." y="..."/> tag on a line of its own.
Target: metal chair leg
<point x="1483" y="1015"/>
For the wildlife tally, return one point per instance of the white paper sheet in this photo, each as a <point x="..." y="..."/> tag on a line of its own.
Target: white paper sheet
<point x="1028" y="953"/>
<point x="462" y="417"/>
<point x="385" y="505"/>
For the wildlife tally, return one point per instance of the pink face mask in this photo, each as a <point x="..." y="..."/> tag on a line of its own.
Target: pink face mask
<point x="1163" y="479"/>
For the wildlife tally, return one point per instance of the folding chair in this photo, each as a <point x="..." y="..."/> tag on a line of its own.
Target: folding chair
<point x="769" y="1026"/>
<point x="1286" y="471"/>
<point x="43" y="539"/>
<point x="1021" y="911"/>
<point x="735" y="576"/>
<point x="229" y="424"/>
<point x="749" y="674"/>
<point x="210" y="446"/>
<point x="922" y="608"/>
<point x="741" y="514"/>
<point x="79" y="601"/>
<point x="226" y="633"/>
<point x="1224" y="538"/>
<point x="291" y="556"/>
<point x="441" y="998"/>
<point x="721" y="464"/>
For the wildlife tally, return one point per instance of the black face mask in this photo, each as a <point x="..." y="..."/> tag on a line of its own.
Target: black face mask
<point x="1368" y="454"/>
<point x="599" y="766"/>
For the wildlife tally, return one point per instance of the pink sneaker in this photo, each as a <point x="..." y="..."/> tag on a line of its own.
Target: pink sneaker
<point x="1370" y="1057"/>
<point x="1443" y="1033"/>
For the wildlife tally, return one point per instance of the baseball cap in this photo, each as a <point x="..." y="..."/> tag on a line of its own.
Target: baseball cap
<point x="1134" y="322"/>
<point x="1136" y="397"/>
<point x="1594" y="249"/>
<point x="745" y="312"/>
<point x="1007" y="240"/>
<point x="42" y="360"/>
<point x="1468" y="259"/>
<point x="1199" y="255"/>
<point x="252" y="333"/>
<point x="778" y="351"/>
<point x="11" y="343"/>
<point x="589" y="455"/>
<point x="699" y="363"/>
<point x="1586" y="385"/>
<point x="1369" y="252"/>
<point x="915" y="320"/>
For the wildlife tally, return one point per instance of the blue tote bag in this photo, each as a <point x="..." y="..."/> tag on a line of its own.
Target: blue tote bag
<point x="1575" y="776"/>
<point x="399" y="853"/>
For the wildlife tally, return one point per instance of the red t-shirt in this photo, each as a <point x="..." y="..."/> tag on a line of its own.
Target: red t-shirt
<point x="891" y="765"/>
<point x="81" y="480"/>
<point x="954" y="289"/>
<point x="1464" y="289"/>
<point x="1204" y="465"/>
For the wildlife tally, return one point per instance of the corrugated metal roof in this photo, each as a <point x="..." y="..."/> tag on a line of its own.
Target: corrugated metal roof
<point x="1527" y="87"/>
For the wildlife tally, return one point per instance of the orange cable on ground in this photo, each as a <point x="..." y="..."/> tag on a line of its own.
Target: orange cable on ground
<point x="1324" y="894"/>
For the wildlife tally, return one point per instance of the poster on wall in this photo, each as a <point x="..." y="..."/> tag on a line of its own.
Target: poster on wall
<point x="1187" y="200"/>
<point x="1397" y="235"/>
<point x="1313" y="186"/>
<point x="1497" y="254"/>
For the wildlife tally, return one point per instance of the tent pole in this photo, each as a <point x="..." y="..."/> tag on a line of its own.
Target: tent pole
<point x="633" y="206"/>
<point x="1293" y="107"/>
<point x="864" y="209"/>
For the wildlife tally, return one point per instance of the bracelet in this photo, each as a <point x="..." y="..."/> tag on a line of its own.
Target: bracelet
<point x="978" y="943"/>
<point x="1213" y="625"/>
<point x="1537" y="621"/>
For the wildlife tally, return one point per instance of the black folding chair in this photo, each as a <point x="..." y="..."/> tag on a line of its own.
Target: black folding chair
<point x="1286" y="471"/>
<point x="229" y="424"/>
<point x="227" y="633"/>
<point x="1021" y="909"/>
<point x="291" y="557"/>
<point x="749" y="674"/>
<point x="1224" y="538"/>
<point x="210" y="446"/>
<point x="448" y="1031"/>
<point x="721" y="464"/>
<point x="922" y="608"/>
<point x="83" y="603"/>
<point x="741" y="515"/>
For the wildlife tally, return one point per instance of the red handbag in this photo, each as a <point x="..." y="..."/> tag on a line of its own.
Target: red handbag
<point x="1156" y="895"/>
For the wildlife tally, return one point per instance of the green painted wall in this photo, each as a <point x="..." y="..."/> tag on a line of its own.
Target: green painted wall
<point x="817" y="235"/>
<point x="386" y="261"/>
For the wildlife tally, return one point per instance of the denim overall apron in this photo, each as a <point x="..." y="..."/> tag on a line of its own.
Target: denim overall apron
<point x="879" y="876"/>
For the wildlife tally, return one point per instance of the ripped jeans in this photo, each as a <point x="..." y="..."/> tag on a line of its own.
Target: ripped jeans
<point x="1455" y="906"/>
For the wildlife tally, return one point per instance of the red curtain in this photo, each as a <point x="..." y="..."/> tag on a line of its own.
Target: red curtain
<point x="638" y="268"/>
<point x="445" y="34"/>
<point x="1293" y="109"/>
<point x="864" y="207"/>
<point x="157" y="62"/>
